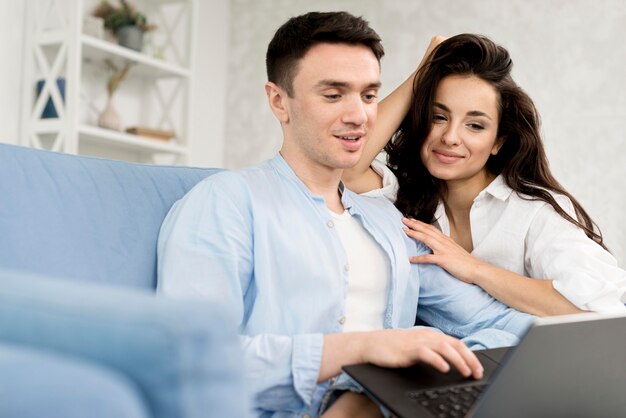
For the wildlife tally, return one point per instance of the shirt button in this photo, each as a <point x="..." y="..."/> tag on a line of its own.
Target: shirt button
<point x="330" y="224"/>
<point x="342" y="320"/>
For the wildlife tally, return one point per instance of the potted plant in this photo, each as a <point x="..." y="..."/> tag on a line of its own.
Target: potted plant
<point x="125" y="21"/>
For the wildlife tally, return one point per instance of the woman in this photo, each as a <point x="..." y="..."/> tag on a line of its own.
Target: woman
<point x="469" y="166"/>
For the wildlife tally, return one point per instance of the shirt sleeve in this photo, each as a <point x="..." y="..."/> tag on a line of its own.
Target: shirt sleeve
<point x="205" y="251"/>
<point x="390" y="182"/>
<point x="466" y="311"/>
<point x="581" y="270"/>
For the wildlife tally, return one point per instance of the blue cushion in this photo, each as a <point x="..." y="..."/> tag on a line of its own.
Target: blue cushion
<point x="184" y="356"/>
<point x="35" y="384"/>
<point x="85" y="218"/>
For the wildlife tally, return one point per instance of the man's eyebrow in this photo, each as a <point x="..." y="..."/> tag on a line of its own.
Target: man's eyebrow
<point x="343" y="84"/>
<point x="470" y="113"/>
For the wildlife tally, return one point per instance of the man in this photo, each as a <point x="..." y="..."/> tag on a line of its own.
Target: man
<point x="319" y="276"/>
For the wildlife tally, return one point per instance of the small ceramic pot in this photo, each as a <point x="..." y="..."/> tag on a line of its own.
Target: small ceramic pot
<point x="130" y="37"/>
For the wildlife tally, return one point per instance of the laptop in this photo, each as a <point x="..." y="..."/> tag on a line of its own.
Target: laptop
<point x="564" y="366"/>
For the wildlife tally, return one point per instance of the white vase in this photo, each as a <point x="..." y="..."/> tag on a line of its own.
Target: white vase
<point x="109" y="118"/>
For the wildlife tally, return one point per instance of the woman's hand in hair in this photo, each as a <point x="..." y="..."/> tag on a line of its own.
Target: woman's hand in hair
<point x="361" y="178"/>
<point x="446" y="253"/>
<point x="434" y="41"/>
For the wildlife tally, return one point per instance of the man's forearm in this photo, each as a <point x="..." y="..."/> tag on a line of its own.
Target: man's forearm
<point x="339" y="350"/>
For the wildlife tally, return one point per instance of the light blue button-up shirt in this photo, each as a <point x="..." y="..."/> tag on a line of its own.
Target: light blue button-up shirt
<point x="261" y="241"/>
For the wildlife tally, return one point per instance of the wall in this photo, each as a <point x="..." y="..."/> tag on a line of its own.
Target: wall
<point x="208" y="111"/>
<point x="569" y="56"/>
<point x="11" y="11"/>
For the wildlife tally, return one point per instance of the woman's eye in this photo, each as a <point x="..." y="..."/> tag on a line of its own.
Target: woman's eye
<point x="438" y="118"/>
<point x="476" y="126"/>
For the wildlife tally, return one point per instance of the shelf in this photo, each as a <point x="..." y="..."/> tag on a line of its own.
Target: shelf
<point x="122" y="140"/>
<point x="98" y="50"/>
<point x="57" y="47"/>
<point x="47" y="126"/>
<point x="51" y="38"/>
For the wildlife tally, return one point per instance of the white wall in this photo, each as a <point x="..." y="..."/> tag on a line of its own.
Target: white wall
<point x="210" y="87"/>
<point x="11" y="13"/>
<point x="569" y="55"/>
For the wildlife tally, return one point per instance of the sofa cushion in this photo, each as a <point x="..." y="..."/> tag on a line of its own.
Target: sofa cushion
<point x="184" y="356"/>
<point x="36" y="383"/>
<point x="83" y="217"/>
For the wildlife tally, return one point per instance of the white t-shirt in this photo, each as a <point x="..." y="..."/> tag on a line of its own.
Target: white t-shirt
<point x="530" y="238"/>
<point x="369" y="274"/>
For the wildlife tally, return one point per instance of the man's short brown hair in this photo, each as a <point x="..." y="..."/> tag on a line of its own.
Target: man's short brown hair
<point x="296" y="36"/>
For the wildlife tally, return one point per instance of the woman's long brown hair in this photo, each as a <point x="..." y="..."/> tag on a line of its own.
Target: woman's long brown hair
<point x="521" y="160"/>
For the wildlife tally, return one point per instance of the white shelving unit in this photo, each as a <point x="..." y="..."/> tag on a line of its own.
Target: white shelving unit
<point x="156" y="93"/>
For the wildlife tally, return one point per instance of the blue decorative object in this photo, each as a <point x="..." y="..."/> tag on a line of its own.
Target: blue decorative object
<point x="50" y="111"/>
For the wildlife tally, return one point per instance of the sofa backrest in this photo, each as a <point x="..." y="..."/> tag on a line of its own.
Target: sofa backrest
<point x="85" y="218"/>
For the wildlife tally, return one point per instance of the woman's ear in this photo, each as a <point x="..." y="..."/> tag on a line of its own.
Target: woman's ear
<point x="277" y="97"/>
<point x="497" y="145"/>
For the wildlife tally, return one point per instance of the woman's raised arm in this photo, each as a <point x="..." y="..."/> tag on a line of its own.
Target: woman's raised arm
<point x="391" y="110"/>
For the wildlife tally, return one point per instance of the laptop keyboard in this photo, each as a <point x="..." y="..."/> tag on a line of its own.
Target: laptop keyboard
<point x="448" y="402"/>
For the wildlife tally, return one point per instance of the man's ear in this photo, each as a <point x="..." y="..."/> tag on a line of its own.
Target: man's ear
<point x="277" y="98"/>
<point x="497" y="145"/>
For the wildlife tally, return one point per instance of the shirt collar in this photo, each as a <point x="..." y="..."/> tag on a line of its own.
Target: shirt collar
<point x="281" y="166"/>
<point x="497" y="188"/>
<point x="440" y="212"/>
<point x="285" y="170"/>
<point x="347" y="197"/>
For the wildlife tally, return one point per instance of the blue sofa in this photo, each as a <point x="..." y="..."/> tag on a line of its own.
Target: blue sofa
<point x="82" y="333"/>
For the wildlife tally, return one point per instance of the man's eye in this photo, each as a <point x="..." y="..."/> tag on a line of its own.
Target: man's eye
<point x="370" y="97"/>
<point x="332" y="96"/>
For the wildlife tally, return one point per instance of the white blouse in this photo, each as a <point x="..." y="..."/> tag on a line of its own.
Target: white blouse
<point x="530" y="238"/>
